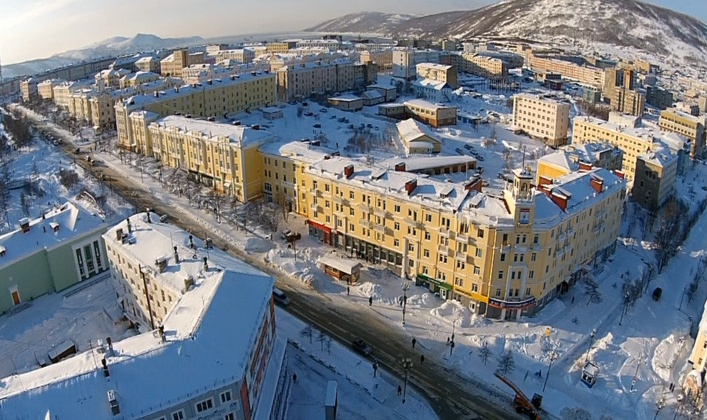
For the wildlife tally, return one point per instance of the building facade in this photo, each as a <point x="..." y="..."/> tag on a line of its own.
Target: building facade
<point x="569" y="70"/>
<point x="541" y="117"/>
<point x="621" y="92"/>
<point x="694" y="128"/>
<point x="446" y="74"/>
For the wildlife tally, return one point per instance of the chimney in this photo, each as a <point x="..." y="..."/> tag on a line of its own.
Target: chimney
<point x="597" y="183"/>
<point x="559" y="199"/>
<point x="160" y="330"/>
<point x="584" y="166"/>
<point x="24" y="224"/>
<point x="543" y="180"/>
<point x="106" y="373"/>
<point x="130" y="228"/>
<point x="176" y="255"/>
<point x="148" y="215"/>
<point x="474" y="185"/>
<point x="113" y="401"/>
<point x="110" y="346"/>
<point x="161" y="264"/>
<point x="348" y="171"/>
<point x="191" y="243"/>
<point x="157" y="94"/>
<point x="206" y="264"/>
<point x="619" y="174"/>
<point x="188" y="283"/>
<point x="119" y="234"/>
<point x="400" y="167"/>
<point x="410" y="186"/>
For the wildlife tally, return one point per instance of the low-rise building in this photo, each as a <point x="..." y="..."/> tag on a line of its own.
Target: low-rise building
<point x="417" y="138"/>
<point x="432" y="90"/>
<point x="349" y="103"/>
<point x="446" y="74"/>
<point x="172" y="65"/>
<point x="430" y="113"/>
<point x="656" y="174"/>
<point x="484" y="65"/>
<point x="578" y="157"/>
<point x="49" y="254"/>
<point x="542" y="117"/>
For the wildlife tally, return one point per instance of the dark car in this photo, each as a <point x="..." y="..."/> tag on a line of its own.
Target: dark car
<point x="362" y="347"/>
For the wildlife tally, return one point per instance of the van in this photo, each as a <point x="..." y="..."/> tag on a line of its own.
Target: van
<point x="280" y="297"/>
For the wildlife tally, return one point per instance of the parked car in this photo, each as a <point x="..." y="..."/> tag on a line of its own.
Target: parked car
<point x="479" y="158"/>
<point x="362" y="347"/>
<point x="468" y="147"/>
<point x="285" y="234"/>
<point x="459" y="151"/>
<point x="280" y="297"/>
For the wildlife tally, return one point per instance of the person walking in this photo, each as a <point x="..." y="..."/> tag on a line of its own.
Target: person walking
<point x="422" y="358"/>
<point x="348" y="290"/>
<point x="414" y="342"/>
<point x="400" y="390"/>
<point x="370" y="301"/>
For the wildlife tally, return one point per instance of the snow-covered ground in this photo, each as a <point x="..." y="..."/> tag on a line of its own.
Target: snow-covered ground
<point x="651" y="343"/>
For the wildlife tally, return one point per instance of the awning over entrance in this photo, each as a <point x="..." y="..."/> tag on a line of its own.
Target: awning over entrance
<point x="421" y="278"/>
<point x="319" y="226"/>
<point x="507" y="304"/>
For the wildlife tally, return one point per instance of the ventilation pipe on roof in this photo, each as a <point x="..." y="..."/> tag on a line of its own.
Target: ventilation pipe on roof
<point x="176" y="255"/>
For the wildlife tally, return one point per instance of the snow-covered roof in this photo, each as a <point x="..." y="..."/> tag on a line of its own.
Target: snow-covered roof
<point x="411" y="129"/>
<point x="345" y="98"/>
<point x="145" y="373"/>
<point x="431" y="84"/>
<point x="392" y="183"/>
<point x="414" y="164"/>
<point x="425" y="104"/>
<point x="372" y="94"/>
<point x="301" y="151"/>
<point x="235" y="133"/>
<point x="347" y="266"/>
<point x="435" y="66"/>
<point x="642" y="133"/>
<point x="72" y="221"/>
<point x="659" y="157"/>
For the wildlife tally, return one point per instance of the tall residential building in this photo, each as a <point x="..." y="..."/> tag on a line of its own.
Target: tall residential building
<point x="213" y="98"/>
<point x="406" y="59"/>
<point x="172" y="65"/>
<point x="656" y="172"/>
<point x="438" y="72"/>
<point x="633" y="141"/>
<point x="302" y="80"/>
<point x="542" y="117"/>
<point x="383" y="58"/>
<point x="620" y="90"/>
<point x="503" y="255"/>
<point x="569" y="70"/>
<point x="690" y="126"/>
<point x="28" y="89"/>
<point x="659" y="97"/>
<point x="222" y="156"/>
<point x="484" y="65"/>
<point x="179" y="296"/>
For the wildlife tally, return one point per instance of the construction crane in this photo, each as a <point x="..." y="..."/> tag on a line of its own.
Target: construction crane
<point x="521" y="402"/>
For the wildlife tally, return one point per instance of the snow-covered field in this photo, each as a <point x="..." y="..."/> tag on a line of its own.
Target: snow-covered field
<point x="651" y="343"/>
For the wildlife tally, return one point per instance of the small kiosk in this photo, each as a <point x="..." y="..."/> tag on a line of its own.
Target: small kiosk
<point x="590" y="373"/>
<point x="342" y="269"/>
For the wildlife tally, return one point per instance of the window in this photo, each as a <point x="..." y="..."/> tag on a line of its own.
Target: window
<point x="397" y="208"/>
<point x="442" y="258"/>
<point x="503" y="257"/>
<point x="396" y="226"/>
<point x="411" y="247"/>
<point x="500" y="274"/>
<point x="480" y="233"/>
<point x="428" y="236"/>
<point x="178" y="415"/>
<point x="428" y="218"/>
<point x="396" y="243"/>
<point x="477" y="270"/>
<point x="351" y="195"/>
<point x="531" y="274"/>
<point x="474" y="287"/>
<point x="479" y="252"/>
<point x="229" y="416"/>
<point x="533" y="256"/>
<point x="204" y="405"/>
<point x="226" y="396"/>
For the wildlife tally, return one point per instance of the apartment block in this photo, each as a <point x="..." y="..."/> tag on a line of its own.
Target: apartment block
<point x="280" y="47"/>
<point x="577" y="157"/>
<point x="406" y="59"/>
<point x="213" y="98"/>
<point x="656" y="172"/>
<point x="569" y="70"/>
<point x="148" y="64"/>
<point x="621" y="92"/>
<point x="383" y="58"/>
<point x="240" y="55"/>
<point x="302" y="80"/>
<point x="446" y="74"/>
<point x="659" y="97"/>
<point x="503" y="256"/>
<point x="137" y="79"/>
<point x="542" y="117"/>
<point x="45" y="89"/>
<point x="484" y="65"/>
<point x="690" y="126"/>
<point x="172" y="65"/>
<point x="110" y="78"/>
<point x="28" y="89"/>
<point x="633" y="141"/>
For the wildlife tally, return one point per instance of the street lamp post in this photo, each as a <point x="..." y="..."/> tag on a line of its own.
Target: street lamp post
<point x="660" y="404"/>
<point x="405" y="287"/>
<point x="623" y="311"/>
<point x="591" y="341"/>
<point x="407" y="365"/>
<point x="553" y="356"/>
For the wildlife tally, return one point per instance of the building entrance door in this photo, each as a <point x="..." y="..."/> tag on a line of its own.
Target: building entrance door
<point x="15" y="297"/>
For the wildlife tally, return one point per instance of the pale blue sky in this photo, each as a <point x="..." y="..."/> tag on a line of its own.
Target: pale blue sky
<point x="39" y="28"/>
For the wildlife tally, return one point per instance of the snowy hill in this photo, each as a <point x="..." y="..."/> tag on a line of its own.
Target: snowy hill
<point x="114" y="46"/>
<point x="623" y="23"/>
<point x="364" y="22"/>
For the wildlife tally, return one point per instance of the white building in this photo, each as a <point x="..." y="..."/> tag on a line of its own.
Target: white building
<point x="542" y="117"/>
<point x="213" y="354"/>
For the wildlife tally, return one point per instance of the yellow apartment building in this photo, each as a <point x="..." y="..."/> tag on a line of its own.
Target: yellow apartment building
<point x="281" y="47"/>
<point x="632" y="141"/>
<point x="620" y="90"/>
<point x="438" y="72"/>
<point x="502" y="255"/>
<point x="584" y="74"/>
<point x="383" y="58"/>
<point x="432" y="114"/>
<point x="45" y="89"/>
<point x="173" y="64"/>
<point x="221" y="156"/>
<point x="148" y="64"/>
<point x="302" y="80"/>
<point x="692" y="127"/>
<point x="28" y="89"/>
<point x="542" y="117"/>
<point x="213" y="98"/>
<point x="484" y="66"/>
<point x="110" y="78"/>
<point x="577" y="157"/>
<point x="138" y="78"/>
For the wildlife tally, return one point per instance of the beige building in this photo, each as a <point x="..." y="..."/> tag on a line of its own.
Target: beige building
<point x="577" y="157"/>
<point x="240" y="55"/>
<point x="694" y="128"/>
<point x="584" y="74"/>
<point x="383" y="58"/>
<point x="302" y="80"/>
<point x="405" y="61"/>
<point x="620" y="90"/>
<point x="484" y="65"/>
<point x="504" y="256"/>
<point x="28" y="89"/>
<point x="633" y="141"/>
<point x="280" y="47"/>
<point x="173" y="64"/>
<point x="446" y="74"/>
<point x="137" y="79"/>
<point x="110" y="78"/>
<point x="542" y="117"/>
<point x="45" y="89"/>
<point x="214" y="98"/>
<point x="148" y="64"/>
<point x="221" y="156"/>
<point x="693" y="382"/>
<point x="432" y="114"/>
<point x="417" y="138"/>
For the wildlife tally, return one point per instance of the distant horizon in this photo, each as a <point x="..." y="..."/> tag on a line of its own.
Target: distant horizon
<point x="40" y="29"/>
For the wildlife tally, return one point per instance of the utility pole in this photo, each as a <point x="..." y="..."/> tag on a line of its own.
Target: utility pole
<point x="553" y="356"/>
<point x="405" y="287"/>
<point x="407" y="365"/>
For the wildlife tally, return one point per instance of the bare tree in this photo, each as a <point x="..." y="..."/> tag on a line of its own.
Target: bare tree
<point x="591" y="288"/>
<point x="283" y="203"/>
<point x="484" y="352"/>
<point x="307" y="331"/>
<point x="506" y="363"/>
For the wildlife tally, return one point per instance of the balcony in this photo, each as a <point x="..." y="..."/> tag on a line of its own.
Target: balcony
<point x="365" y="223"/>
<point x="383" y="214"/>
<point x="341" y="200"/>
<point x="364" y="207"/>
<point x="315" y="207"/>
<point x="379" y="228"/>
<point x="315" y="192"/>
<point x="443" y="249"/>
<point x="463" y="237"/>
<point x="461" y="256"/>
<point x="444" y="231"/>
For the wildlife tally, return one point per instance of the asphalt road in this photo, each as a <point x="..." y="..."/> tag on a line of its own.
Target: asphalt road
<point x="451" y="396"/>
